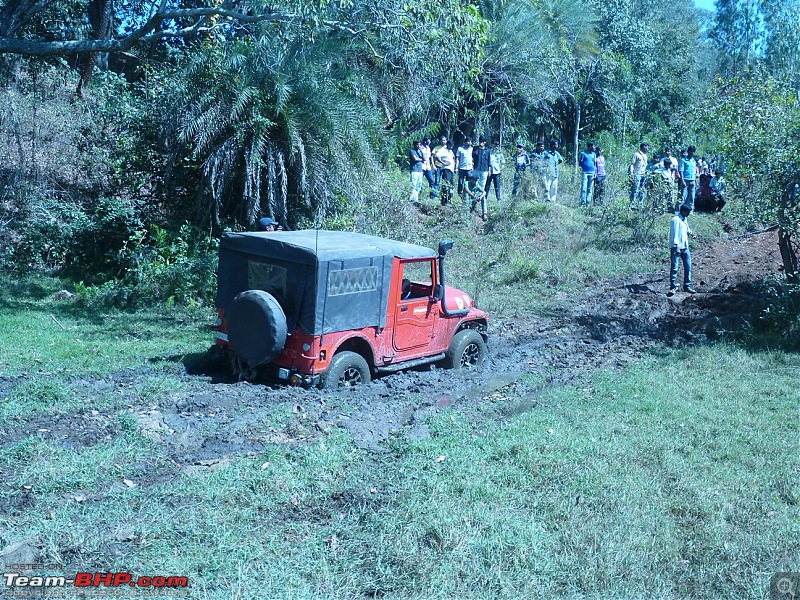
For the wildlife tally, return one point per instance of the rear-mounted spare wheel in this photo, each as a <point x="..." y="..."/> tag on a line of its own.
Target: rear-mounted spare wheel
<point x="256" y="327"/>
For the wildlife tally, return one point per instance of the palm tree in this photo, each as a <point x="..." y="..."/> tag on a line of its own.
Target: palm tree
<point x="279" y="127"/>
<point x="530" y="43"/>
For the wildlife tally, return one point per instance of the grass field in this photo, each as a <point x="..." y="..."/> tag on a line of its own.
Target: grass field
<point x="675" y="477"/>
<point x="647" y="483"/>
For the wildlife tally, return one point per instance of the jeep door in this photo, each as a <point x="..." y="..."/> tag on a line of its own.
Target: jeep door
<point x="416" y="311"/>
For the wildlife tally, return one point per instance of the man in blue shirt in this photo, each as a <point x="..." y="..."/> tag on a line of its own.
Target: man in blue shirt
<point x="587" y="162"/>
<point x="688" y="170"/>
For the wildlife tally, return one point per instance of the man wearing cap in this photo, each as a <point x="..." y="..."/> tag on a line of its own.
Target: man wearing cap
<point x="521" y="162"/>
<point x="268" y="224"/>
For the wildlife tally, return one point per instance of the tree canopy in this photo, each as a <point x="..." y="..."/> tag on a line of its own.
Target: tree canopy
<point x="213" y="112"/>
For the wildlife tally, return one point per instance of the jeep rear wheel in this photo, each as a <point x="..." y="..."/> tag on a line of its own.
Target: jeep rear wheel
<point x="256" y="327"/>
<point x="467" y="351"/>
<point x="347" y="369"/>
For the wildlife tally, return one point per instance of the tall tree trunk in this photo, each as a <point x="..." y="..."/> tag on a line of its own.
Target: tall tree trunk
<point x="100" y="17"/>
<point x="576" y="140"/>
<point x="788" y="248"/>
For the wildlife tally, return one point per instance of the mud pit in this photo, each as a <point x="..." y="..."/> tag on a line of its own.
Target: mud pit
<point x="213" y="418"/>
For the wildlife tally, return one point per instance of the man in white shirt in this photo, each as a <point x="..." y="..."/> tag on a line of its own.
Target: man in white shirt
<point x="463" y="163"/>
<point x="679" y="233"/>
<point x="496" y="163"/>
<point x="427" y="166"/>
<point x="673" y="160"/>
<point x="445" y="162"/>
<point x="637" y="175"/>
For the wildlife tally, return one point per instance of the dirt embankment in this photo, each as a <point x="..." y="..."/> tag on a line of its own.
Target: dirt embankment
<point x="608" y="325"/>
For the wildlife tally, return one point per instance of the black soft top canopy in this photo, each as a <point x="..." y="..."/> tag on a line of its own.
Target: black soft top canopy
<point x="311" y="246"/>
<point x="325" y="281"/>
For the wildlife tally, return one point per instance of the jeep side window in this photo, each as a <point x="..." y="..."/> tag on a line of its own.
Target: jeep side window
<point x="420" y="280"/>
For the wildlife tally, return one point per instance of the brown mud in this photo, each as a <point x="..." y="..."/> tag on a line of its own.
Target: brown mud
<point x="212" y="418"/>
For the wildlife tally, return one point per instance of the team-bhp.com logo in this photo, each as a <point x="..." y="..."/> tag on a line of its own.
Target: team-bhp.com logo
<point x="16" y="581"/>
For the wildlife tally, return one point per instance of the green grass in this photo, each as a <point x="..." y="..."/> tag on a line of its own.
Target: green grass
<point x="532" y="254"/>
<point x="47" y="336"/>
<point x="677" y="478"/>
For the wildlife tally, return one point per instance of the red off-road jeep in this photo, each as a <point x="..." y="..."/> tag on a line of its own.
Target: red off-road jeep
<point x="332" y="308"/>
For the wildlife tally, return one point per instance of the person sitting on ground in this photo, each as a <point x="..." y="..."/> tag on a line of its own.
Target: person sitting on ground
<point x="709" y="197"/>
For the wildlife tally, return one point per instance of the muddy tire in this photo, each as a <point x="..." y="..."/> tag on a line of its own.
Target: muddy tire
<point x="256" y="327"/>
<point x="467" y="351"/>
<point x="347" y="369"/>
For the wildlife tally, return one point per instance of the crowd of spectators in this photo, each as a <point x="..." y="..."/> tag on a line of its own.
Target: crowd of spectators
<point x="663" y="181"/>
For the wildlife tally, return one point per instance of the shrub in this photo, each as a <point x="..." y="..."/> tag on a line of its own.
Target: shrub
<point x="162" y="266"/>
<point x="778" y="325"/>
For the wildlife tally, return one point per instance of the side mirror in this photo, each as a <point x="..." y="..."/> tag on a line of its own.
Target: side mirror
<point x="438" y="293"/>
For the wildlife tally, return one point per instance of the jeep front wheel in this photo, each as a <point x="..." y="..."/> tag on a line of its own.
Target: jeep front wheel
<point x="467" y="351"/>
<point x="347" y="369"/>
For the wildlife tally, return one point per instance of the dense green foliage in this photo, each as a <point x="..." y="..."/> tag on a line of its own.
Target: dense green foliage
<point x="304" y="111"/>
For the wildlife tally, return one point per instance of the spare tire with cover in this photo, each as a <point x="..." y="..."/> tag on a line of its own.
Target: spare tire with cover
<point x="256" y="327"/>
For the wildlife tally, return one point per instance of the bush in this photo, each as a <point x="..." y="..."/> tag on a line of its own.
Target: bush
<point x="163" y="266"/>
<point x="778" y="325"/>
